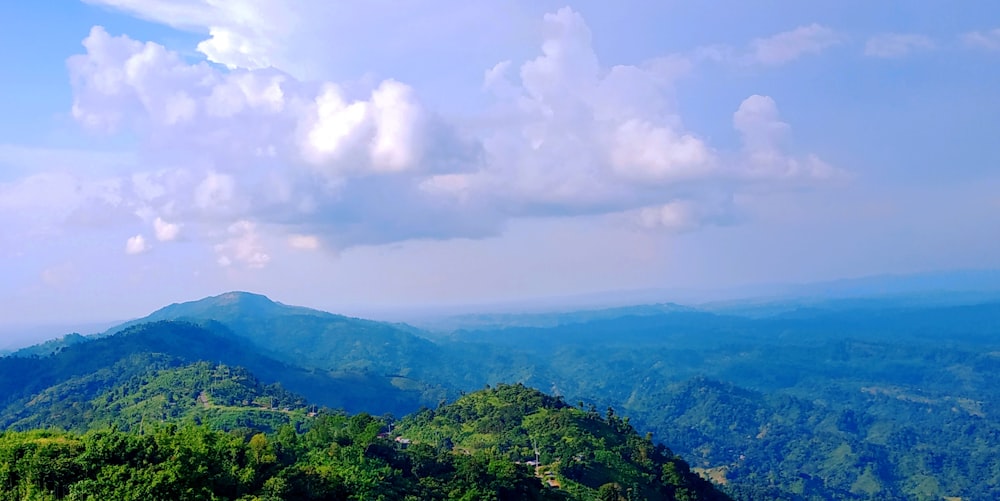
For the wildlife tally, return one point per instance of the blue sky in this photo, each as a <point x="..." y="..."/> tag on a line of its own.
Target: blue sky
<point x="365" y="155"/>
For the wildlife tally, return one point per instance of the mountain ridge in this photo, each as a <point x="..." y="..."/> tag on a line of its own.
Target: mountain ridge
<point x="844" y="395"/>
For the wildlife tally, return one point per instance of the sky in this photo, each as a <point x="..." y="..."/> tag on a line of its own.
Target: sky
<point x="352" y="155"/>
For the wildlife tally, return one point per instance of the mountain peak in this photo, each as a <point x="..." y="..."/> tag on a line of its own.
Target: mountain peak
<point x="229" y="306"/>
<point x="239" y="297"/>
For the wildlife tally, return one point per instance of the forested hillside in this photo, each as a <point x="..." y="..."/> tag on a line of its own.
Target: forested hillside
<point x="851" y="402"/>
<point x="335" y="456"/>
<point x="110" y="360"/>
<point x="587" y="455"/>
<point x="855" y="404"/>
<point x="157" y="390"/>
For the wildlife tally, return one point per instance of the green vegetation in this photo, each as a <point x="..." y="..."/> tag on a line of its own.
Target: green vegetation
<point x="84" y="369"/>
<point x="588" y="456"/>
<point x="862" y="400"/>
<point x="340" y="457"/>
<point x="859" y="404"/>
<point x="220" y="396"/>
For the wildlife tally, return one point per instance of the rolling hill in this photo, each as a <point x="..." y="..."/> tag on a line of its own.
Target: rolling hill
<point x="850" y="400"/>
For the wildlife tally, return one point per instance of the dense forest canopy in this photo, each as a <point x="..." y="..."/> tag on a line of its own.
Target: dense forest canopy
<point x="333" y="455"/>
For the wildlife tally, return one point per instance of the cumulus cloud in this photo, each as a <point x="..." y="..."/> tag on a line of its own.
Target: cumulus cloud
<point x="216" y="192"/>
<point x="320" y="40"/>
<point x="764" y="135"/>
<point x="235" y="155"/>
<point x="790" y="45"/>
<point x="381" y="134"/>
<point x="241" y="33"/>
<point x="772" y="51"/>
<point x="165" y="232"/>
<point x="989" y="40"/>
<point x="119" y="70"/>
<point x="584" y="137"/>
<point x="136" y="245"/>
<point x="889" y="45"/>
<point x="246" y="116"/>
<point x="260" y="144"/>
<point x="685" y="214"/>
<point x="243" y="246"/>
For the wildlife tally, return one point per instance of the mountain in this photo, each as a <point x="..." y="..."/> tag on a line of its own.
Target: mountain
<point x="815" y="403"/>
<point x="51" y="346"/>
<point x="160" y="389"/>
<point x="232" y="306"/>
<point x="915" y="289"/>
<point x="23" y="378"/>
<point x="15" y="335"/>
<point x="586" y="455"/>
<point x="860" y="399"/>
<point x="341" y="457"/>
<point x="390" y="364"/>
<point x="316" y="340"/>
<point x="480" y="321"/>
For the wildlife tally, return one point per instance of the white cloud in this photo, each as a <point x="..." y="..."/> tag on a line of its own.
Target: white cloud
<point x="382" y="134"/>
<point x="567" y="66"/>
<point x="136" y="245"/>
<point x="263" y="116"/>
<point x="759" y="122"/>
<point x="686" y="214"/>
<point x="764" y="135"/>
<point x="255" y="150"/>
<point x="897" y="44"/>
<point x="244" y="246"/>
<point x="319" y="39"/>
<point x="216" y="193"/>
<point x="247" y="91"/>
<point x="304" y="242"/>
<point x="989" y="40"/>
<point x="397" y="117"/>
<point x="790" y="45"/>
<point x="679" y="215"/>
<point x="232" y="49"/>
<point x="582" y="136"/>
<point x="240" y="32"/>
<point x="495" y="78"/>
<point x="118" y="71"/>
<point x="646" y="152"/>
<point x="165" y="232"/>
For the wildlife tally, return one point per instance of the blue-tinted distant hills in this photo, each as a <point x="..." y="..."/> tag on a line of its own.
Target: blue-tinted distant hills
<point x="233" y="305"/>
<point x="877" y="388"/>
<point x="307" y="337"/>
<point x="333" y="360"/>
<point x="952" y="288"/>
<point x="884" y="291"/>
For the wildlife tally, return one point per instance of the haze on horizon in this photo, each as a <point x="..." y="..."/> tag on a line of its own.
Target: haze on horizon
<point x="395" y="154"/>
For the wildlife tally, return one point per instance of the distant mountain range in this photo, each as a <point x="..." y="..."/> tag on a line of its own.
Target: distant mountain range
<point x="918" y="289"/>
<point x="849" y="398"/>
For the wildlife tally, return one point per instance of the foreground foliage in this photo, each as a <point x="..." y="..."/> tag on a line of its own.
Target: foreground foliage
<point x="337" y="456"/>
